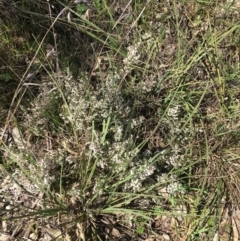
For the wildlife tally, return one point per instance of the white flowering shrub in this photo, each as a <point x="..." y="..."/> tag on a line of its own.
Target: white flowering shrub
<point x="131" y="121"/>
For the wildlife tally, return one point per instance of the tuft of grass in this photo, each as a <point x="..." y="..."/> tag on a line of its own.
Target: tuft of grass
<point x="122" y="123"/>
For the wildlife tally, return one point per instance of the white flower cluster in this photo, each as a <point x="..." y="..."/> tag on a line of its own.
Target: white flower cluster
<point x="37" y="116"/>
<point x="15" y="186"/>
<point x="171" y="185"/>
<point x="175" y="157"/>
<point x="132" y="56"/>
<point x="113" y="155"/>
<point x="137" y="121"/>
<point x="139" y="172"/>
<point x="85" y="104"/>
<point x="46" y="166"/>
<point x="124" y="163"/>
<point x="83" y="107"/>
<point x="148" y="84"/>
<point x="76" y="106"/>
<point x="173" y="112"/>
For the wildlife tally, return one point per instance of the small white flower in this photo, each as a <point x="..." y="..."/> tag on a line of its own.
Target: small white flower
<point x="173" y="112"/>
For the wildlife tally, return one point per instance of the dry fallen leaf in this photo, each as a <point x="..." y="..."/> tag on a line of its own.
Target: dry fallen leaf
<point x="4" y="225"/>
<point x="166" y="237"/>
<point x="149" y="239"/>
<point x="51" y="233"/>
<point x="33" y="236"/>
<point x="116" y="233"/>
<point x="67" y="237"/>
<point x="80" y="231"/>
<point x="4" y="237"/>
<point x="235" y="230"/>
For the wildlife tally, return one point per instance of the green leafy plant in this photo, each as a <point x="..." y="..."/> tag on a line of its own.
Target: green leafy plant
<point x="5" y="77"/>
<point x="81" y="8"/>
